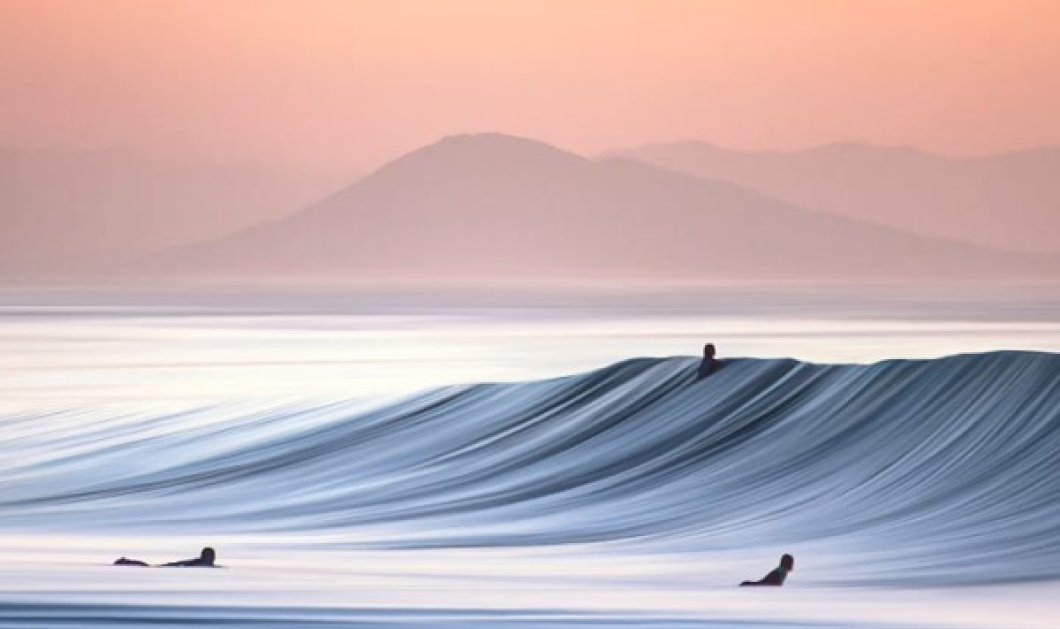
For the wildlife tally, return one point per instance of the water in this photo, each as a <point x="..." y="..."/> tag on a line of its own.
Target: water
<point x="337" y="453"/>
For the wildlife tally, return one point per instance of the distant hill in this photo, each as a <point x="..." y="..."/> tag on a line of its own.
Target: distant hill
<point x="1009" y="201"/>
<point x="498" y="207"/>
<point x="66" y="212"/>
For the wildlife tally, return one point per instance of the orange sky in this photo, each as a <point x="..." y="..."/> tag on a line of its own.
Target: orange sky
<point x="334" y="86"/>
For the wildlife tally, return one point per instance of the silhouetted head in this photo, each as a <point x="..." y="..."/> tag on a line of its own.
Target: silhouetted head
<point x="708" y="350"/>
<point x="787" y="562"/>
<point x="208" y="555"/>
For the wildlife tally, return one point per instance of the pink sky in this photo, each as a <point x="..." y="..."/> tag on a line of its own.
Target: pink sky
<point x="333" y="86"/>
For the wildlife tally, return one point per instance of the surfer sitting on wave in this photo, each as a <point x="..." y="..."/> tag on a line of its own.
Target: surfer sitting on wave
<point x="709" y="364"/>
<point x="777" y="576"/>
<point x="205" y="559"/>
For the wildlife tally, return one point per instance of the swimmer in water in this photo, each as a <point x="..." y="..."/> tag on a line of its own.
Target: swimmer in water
<point x="709" y="364"/>
<point x="777" y="576"/>
<point x="205" y="559"/>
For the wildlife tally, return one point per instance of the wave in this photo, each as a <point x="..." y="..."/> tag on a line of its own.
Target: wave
<point x="943" y="470"/>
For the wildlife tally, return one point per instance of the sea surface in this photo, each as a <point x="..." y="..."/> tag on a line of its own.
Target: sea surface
<point x="534" y="458"/>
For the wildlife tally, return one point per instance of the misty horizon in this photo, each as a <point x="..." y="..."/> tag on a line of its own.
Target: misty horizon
<point x="530" y="315"/>
<point x="194" y="219"/>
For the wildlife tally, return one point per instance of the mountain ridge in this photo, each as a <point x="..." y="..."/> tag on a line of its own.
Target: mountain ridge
<point x="493" y="205"/>
<point x="1008" y="201"/>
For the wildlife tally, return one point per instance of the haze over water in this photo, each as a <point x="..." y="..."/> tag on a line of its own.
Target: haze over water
<point x="399" y="307"/>
<point x="186" y="348"/>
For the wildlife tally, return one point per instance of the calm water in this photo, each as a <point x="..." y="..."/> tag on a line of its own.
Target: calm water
<point x="93" y="349"/>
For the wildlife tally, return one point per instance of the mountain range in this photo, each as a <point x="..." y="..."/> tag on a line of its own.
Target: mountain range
<point x="491" y="206"/>
<point x="1008" y="201"/>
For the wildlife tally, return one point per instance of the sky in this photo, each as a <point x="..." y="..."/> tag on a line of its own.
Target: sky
<point x="322" y="86"/>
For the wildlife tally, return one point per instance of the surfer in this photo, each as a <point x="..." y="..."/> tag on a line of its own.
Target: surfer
<point x="777" y="576"/>
<point x="205" y="559"/>
<point x="709" y="364"/>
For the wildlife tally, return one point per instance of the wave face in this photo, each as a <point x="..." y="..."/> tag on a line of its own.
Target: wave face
<point x="942" y="471"/>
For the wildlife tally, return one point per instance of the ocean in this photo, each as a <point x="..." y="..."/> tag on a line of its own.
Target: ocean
<point x="390" y="457"/>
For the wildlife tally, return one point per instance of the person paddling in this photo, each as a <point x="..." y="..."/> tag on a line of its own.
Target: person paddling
<point x="205" y="559"/>
<point x="777" y="576"/>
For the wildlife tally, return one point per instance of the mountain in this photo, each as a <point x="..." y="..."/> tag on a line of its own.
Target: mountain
<point x="498" y="207"/>
<point x="65" y="211"/>
<point x="1009" y="201"/>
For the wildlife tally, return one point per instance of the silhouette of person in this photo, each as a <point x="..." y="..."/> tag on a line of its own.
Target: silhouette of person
<point x="777" y="576"/>
<point x="206" y="559"/>
<point x="709" y="364"/>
